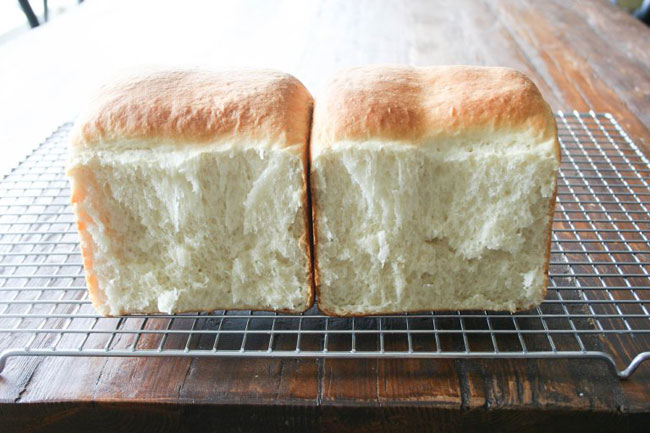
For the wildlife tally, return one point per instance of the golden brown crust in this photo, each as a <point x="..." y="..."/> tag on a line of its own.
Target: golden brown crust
<point x="414" y="103"/>
<point x="307" y="215"/>
<point x="79" y="193"/>
<point x="197" y="106"/>
<point x="314" y="236"/>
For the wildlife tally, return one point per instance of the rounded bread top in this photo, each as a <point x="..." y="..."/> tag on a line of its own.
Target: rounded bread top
<point x="419" y="103"/>
<point x="181" y="106"/>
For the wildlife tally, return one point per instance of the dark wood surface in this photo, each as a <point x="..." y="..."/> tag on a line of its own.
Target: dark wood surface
<point x="584" y="55"/>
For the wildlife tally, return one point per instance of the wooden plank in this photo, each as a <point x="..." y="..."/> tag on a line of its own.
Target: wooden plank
<point x="431" y="382"/>
<point x="71" y="417"/>
<point x="544" y="30"/>
<point x="252" y="381"/>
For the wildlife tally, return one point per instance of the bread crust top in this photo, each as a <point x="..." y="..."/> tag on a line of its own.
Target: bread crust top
<point x="181" y="106"/>
<point x="419" y="103"/>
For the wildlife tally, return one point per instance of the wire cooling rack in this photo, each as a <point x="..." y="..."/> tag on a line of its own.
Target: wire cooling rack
<point x="597" y="305"/>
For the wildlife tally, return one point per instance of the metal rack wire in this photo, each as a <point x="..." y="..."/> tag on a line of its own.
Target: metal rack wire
<point x="598" y="299"/>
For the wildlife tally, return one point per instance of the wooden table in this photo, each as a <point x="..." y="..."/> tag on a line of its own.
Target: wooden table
<point x="584" y="55"/>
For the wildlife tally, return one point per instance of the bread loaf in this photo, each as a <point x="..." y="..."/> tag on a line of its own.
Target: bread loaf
<point x="432" y="189"/>
<point x="190" y="193"/>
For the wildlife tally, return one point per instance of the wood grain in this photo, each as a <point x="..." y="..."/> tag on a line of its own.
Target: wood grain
<point x="583" y="55"/>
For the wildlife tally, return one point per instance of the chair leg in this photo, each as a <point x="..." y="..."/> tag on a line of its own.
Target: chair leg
<point x="643" y="12"/>
<point x="29" y="13"/>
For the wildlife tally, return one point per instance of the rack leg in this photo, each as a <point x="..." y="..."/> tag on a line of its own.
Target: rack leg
<point x="5" y="354"/>
<point x="633" y="365"/>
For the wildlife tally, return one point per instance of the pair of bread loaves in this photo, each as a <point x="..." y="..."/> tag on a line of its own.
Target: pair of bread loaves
<point x="403" y="189"/>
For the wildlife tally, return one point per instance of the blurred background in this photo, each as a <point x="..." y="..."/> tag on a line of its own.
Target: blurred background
<point x="17" y="17"/>
<point x="22" y="15"/>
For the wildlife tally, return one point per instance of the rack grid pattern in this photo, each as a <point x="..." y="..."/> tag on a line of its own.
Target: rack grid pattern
<point x="598" y="298"/>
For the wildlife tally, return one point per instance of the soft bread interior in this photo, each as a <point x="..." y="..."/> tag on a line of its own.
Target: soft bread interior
<point x="198" y="228"/>
<point x="446" y="225"/>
